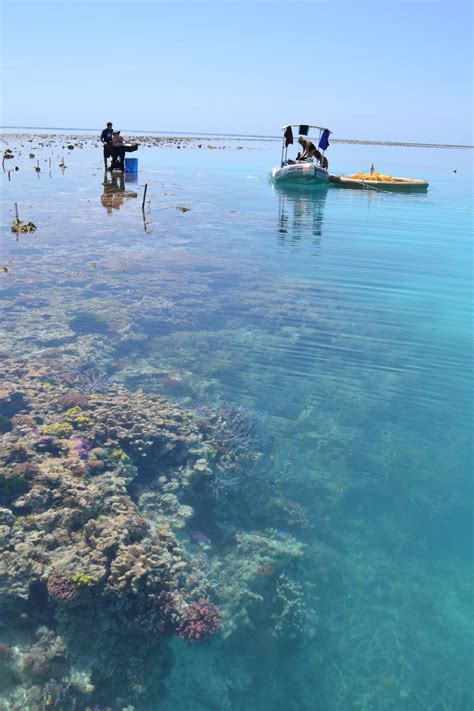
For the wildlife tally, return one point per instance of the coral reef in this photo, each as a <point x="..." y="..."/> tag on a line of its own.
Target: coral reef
<point x="74" y="542"/>
<point x="91" y="528"/>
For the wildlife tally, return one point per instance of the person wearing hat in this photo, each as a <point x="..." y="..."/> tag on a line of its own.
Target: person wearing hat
<point x="106" y="140"/>
<point x="308" y="151"/>
<point x="118" y="151"/>
<point x="117" y="139"/>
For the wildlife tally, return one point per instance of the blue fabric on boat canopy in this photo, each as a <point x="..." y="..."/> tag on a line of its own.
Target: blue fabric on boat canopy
<point x="324" y="140"/>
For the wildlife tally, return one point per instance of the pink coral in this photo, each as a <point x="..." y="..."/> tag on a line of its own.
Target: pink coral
<point x="200" y="620"/>
<point x="61" y="588"/>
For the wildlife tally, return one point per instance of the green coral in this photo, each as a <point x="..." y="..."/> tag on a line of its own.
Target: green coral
<point x="78" y="417"/>
<point x="58" y="429"/>
<point x="73" y="412"/>
<point x="119" y="454"/>
<point x="81" y="580"/>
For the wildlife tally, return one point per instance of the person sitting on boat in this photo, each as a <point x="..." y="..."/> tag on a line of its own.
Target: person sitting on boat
<point x="308" y="152"/>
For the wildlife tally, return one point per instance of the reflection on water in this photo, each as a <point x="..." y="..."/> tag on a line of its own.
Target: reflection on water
<point x="115" y="194"/>
<point x="300" y="212"/>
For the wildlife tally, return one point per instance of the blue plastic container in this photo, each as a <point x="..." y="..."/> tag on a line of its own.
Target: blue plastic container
<point x="131" y="165"/>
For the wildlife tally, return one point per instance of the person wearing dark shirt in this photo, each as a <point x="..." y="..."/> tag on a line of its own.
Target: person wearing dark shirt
<point x="118" y="151"/>
<point x="309" y="151"/>
<point x="106" y="140"/>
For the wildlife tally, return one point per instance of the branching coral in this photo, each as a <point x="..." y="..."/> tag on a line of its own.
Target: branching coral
<point x="200" y="619"/>
<point x="61" y="588"/>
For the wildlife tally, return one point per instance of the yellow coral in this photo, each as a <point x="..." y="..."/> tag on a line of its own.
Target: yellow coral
<point x="82" y="580"/>
<point x="58" y="429"/>
<point x="120" y="454"/>
<point x="77" y="416"/>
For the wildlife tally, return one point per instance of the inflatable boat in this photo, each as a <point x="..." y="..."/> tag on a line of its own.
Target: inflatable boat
<point x="309" y="167"/>
<point x="305" y="173"/>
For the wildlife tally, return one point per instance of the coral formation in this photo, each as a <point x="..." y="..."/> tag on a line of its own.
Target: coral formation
<point x="104" y="488"/>
<point x="73" y="539"/>
<point x="61" y="588"/>
<point x="199" y="620"/>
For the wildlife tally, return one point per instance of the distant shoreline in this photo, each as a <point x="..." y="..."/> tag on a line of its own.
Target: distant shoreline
<point x="405" y="144"/>
<point x="36" y="131"/>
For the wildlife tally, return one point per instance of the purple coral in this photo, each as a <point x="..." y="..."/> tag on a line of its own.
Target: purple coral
<point x="201" y="619"/>
<point x="82" y="446"/>
<point x="168" y="605"/>
<point x="73" y="399"/>
<point x="61" y="588"/>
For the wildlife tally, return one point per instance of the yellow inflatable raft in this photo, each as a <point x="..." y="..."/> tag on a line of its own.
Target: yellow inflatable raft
<point x="378" y="181"/>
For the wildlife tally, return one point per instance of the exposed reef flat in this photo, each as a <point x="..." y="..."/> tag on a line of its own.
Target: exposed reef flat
<point x="71" y="141"/>
<point x="210" y="141"/>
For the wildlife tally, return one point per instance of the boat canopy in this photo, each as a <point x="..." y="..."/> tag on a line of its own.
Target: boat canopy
<point x="304" y="126"/>
<point x="303" y="130"/>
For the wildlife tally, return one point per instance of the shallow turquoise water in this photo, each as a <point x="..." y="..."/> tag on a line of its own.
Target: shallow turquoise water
<point x="343" y="319"/>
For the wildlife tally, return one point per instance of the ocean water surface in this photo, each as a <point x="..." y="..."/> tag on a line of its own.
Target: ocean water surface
<point x="333" y="328"/>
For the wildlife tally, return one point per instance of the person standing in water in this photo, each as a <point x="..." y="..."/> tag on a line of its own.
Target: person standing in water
<point x="106" y="140"/>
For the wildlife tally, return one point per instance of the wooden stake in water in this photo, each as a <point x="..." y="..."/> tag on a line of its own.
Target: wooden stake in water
<point x="16" y="212"/>
<point x="144" y="196"/>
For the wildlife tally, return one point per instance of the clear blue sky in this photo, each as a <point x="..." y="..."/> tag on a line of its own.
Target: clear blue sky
<point x="368" y="69"/>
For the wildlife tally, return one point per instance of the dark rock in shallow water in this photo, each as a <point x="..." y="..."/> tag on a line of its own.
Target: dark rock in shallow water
<point x="11" y="488"/>
<point x="88" y="322"/>
<point x="5" y="424"/>
<point x="19" y="226"/>
<point x="11" y="402"/>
